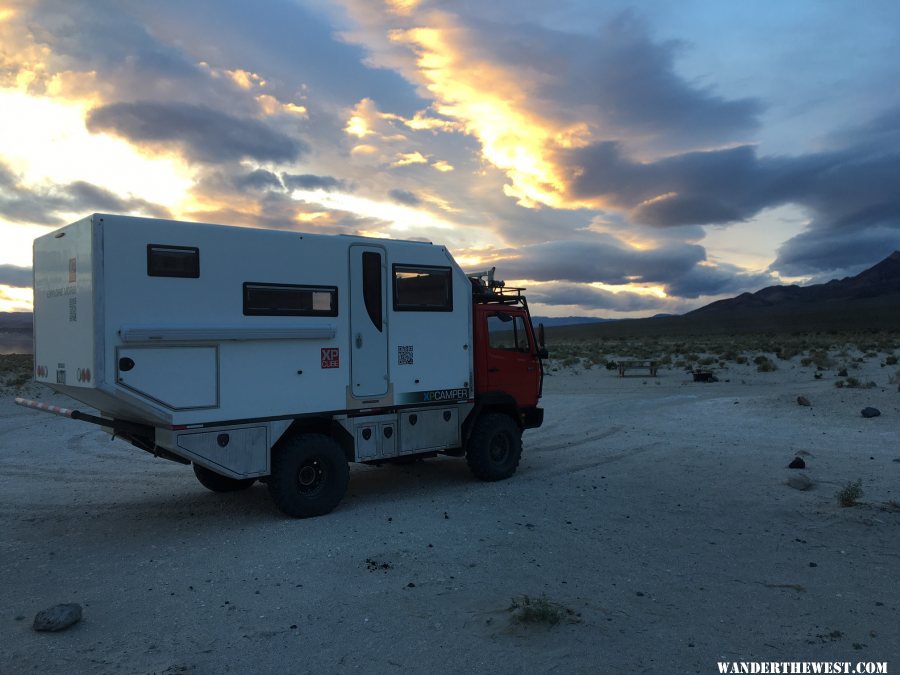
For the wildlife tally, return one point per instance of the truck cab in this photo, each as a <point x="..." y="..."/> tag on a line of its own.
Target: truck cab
<point x="508" y="351"/>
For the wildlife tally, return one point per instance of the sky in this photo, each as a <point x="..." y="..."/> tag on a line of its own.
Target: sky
<point x="618" y="159"/>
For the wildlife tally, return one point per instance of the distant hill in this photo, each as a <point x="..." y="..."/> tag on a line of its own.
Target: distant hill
<point x="549" y="321"/>
<point x="869" y="301"/>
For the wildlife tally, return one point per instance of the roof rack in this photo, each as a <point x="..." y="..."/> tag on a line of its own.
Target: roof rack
<point x="487" y="289"/>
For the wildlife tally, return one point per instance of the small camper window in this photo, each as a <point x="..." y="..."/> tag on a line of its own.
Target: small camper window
<point x="289" y="300"/>
<point x="173" y="261"/>
<point x="422" y="289"/>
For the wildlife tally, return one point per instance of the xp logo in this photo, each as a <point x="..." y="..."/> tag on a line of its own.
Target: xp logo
<point x="331" y="357"/>
<point x="41" y="371"/>
<point x="83" y="374"/>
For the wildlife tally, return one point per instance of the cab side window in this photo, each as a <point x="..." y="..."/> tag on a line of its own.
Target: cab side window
<point x="507" y="332"/>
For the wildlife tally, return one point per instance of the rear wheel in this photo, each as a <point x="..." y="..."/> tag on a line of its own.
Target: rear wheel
<point x="494" y="447"/>
<point x="309" y="475"/>
<point x="219" y="483"/>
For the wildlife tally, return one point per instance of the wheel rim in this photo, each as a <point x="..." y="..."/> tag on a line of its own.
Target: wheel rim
<point x="311" y="477"/>
<point x="499" y="449"/>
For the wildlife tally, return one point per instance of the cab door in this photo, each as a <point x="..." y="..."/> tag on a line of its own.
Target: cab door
<point x="508" y="361"/>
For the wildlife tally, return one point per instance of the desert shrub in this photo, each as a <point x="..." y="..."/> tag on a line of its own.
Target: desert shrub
<point x="891" y="360"/>
<point x="611" y="365"/>
<point x="853" y="383"/>
<point x="525" y="609"/>
<point x="850" y="493"/>
<point x="570" y="361"/>
<point x="764" y="364"/>
<point x="842" y="372"/>
<point x="740" y="360"/>
<point x="894" y="378"/>
<point x="706" y="361"/>
<point x="839" y="384"/>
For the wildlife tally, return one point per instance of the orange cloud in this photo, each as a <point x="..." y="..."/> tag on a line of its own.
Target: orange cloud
<point x="491" y="104"/>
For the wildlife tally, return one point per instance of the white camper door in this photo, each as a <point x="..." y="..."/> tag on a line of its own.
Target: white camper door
<point x="368" y="321"/>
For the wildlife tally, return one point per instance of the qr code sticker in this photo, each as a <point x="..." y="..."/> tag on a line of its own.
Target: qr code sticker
<point x="405" y="355"/>
<point x="73" y="310"/>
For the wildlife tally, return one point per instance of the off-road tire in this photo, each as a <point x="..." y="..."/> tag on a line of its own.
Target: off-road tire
<point x="219" y="483"/>
<point x="309" y="475"/>
<point x="494" y="448"/>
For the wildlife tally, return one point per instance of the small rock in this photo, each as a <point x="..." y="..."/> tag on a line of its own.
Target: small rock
<point x="870" y="412"/>
<point x="800" y="482"/>
<point x="812" y="564"/>
<point x="802" y="400"/>
<point x="57" y="618"/>
<point x="798" y="463"/>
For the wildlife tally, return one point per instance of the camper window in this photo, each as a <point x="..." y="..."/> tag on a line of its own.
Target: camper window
<point x="289" y="300"/>
<point x="422" y="289"/>
<point x="173" y="261"/>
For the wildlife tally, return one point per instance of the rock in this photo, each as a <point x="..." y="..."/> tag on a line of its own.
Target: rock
<point x="57" y="618"/>
<point x="870" y="412"/>
<point x="801" y="482"/>
<point x="802" y="400"/>
<point x="798" y="463"/>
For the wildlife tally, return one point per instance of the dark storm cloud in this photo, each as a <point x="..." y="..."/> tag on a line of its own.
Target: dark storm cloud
<point x="404" y="197"/>
<point x="11" y="275"/>
<point x="622" y="79"/>
<point x="260" y="179"/>
<point x="309" y="181"/>
<point x="205" y="134"/>
<point x="602" y="260"/>
<point x="850" y="192"/>
<point x="589" y="297"/>
<point x="720" y="279"/>
<point x="46" y="205"/>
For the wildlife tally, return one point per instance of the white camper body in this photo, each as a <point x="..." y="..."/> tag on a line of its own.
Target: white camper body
<point x="219" y="338"/>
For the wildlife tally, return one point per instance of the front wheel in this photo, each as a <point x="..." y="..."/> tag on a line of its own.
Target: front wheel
<point x="309" y="475"/>
<point x="219" y="483"/>
<point x="494" y="447"/>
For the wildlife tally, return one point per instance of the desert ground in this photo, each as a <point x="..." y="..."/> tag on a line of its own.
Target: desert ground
<point x="651" y="515"/>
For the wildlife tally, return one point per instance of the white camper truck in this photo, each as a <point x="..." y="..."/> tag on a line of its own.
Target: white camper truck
<point x="276" y="356"/>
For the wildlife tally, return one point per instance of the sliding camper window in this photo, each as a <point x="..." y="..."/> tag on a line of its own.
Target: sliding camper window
<point x="420" y="288"/>
<point x="173" y="261"/>
<point x="289" y="300"/>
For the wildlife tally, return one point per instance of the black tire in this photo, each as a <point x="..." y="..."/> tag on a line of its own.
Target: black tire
<point x="219" y="483"/>
<point x="309" y="475"/>
<point x="494" y="447"/>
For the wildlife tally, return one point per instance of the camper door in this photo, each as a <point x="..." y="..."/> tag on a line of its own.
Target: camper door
<point x="368" y="321"/>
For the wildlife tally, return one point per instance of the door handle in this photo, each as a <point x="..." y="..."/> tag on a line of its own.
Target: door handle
<point x="493" y="370"/>
<point x="359" y="340"/>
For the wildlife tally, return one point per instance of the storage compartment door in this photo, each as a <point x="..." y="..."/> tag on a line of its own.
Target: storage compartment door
<point x="179" y="378"/>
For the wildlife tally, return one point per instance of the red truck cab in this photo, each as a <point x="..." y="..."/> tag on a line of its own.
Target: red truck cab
<point x="508" y="353"/>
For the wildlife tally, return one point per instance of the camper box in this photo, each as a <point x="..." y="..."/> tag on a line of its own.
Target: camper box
<point x="206" y="343"/>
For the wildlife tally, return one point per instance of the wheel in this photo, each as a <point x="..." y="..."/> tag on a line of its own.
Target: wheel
<point x="309" y="475"/>
<point x="219" y="483"/>
<point x="494" y="447"/>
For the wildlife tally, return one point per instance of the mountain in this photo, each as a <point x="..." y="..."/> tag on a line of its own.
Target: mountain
<point x="869" y="301"/>
<point x="880" y="280"/>
<point x="550" y="321"/>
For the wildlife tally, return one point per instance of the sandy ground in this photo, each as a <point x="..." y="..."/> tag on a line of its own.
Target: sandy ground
<point x="656" y="509"/>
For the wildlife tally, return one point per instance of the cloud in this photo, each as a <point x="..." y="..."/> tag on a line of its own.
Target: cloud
<point x="309" y="181"/>
<point x="12" y="275"/>
<point x="260" y="179"/>
<point x="48" y="204"/>
<point x="622" y="81"/>
<point x="404" y="197"/>
<point x="589" y="298"/>
<point x="602" y="259"/>
<point x="205" y="134"/>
